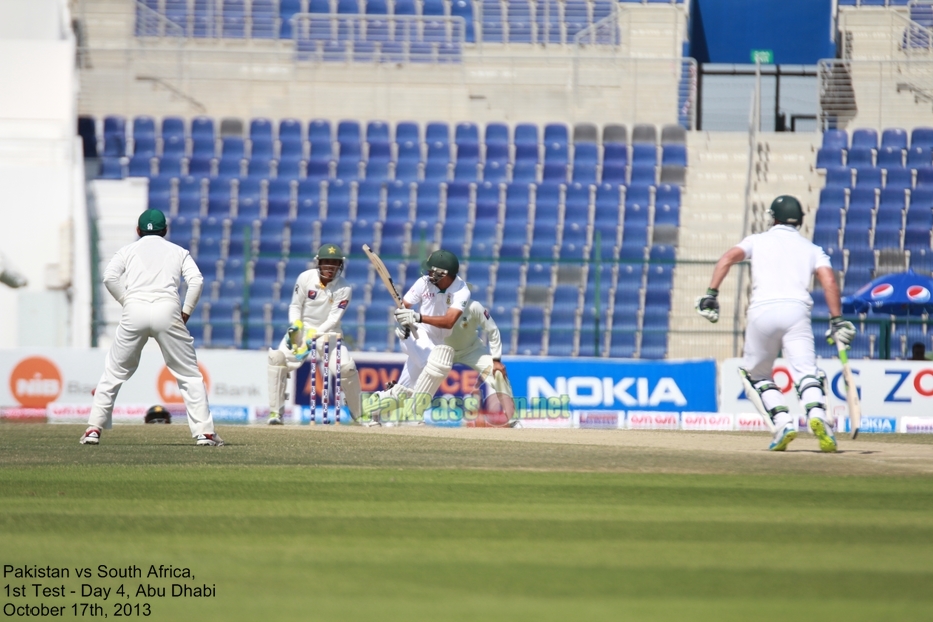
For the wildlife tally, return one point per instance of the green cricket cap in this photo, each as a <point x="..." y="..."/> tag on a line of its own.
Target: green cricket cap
<point x="152" y="220"/>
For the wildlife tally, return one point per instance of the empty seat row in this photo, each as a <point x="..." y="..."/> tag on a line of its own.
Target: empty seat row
<point x="292" y="138"/>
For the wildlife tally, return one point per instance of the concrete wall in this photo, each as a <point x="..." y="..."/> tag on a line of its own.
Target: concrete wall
<point x="40" y="173"/>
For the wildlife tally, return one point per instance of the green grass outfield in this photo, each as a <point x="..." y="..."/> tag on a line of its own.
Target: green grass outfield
<point x="311" y="524"/>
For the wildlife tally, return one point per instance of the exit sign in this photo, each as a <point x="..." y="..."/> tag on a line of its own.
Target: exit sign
<point x="765" y="57"/>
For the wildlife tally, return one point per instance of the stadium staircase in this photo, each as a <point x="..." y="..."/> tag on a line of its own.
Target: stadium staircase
<point x="711" y="222"/>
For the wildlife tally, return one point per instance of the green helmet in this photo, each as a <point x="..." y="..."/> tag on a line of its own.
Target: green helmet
<point x="786" y="210"/>
<point x="330" y="260"/>
<point x="439" y="264"/>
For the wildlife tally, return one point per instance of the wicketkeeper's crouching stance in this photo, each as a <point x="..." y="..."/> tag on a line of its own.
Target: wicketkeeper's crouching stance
<point x="782" y="263"/>
<point x="320" y="298"/>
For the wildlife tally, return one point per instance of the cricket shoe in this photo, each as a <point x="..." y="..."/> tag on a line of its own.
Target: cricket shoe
<point x="783" y="438"/>
<point x="824" y="433"/>
<point x="209" y="440"/>
<point x="275" y="419"/>
<point x="91" y="437"/>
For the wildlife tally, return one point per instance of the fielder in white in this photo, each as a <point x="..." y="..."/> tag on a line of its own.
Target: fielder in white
<point x="442" y="297"/>
<point x="782" y="264"/>
<point x="144" y="278"/>
<point x="485" y="358"/>
<point x="320" y="298"/>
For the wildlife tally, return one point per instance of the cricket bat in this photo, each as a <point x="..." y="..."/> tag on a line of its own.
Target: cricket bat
<point x="855" y="409"/>
<point x="383" y="273"/>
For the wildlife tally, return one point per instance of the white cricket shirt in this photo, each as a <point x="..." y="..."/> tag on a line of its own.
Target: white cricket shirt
<point x="319" y="307"/>
<point x="782" y="263"/>
<point x="150" y="269"/>
<point x="431" y="301"/>
<point x="464" y="336"/>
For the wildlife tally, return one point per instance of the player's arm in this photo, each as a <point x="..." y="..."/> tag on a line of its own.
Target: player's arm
<point x="827" y="279"/>
<point x="494" y="339"/>
<point x="296" y="306"/>
<point x="708" y="305"/>
<point x="839" y="330"/>
<point x="731" y="257"/>
<point x="113" y="277"/>
<point x="195" y="282"/>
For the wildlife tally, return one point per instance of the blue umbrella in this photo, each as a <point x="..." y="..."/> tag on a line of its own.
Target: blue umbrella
<point x="902" y="293"/>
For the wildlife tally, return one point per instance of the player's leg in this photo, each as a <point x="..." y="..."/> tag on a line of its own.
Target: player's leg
<point x="177" y="346"/>
<point x="120" y="364"/>
<point x="438" y="365"/>
<point x="808" y="379"/>
<point x="349" y="382"/>
<point x="763" y="337"/>
<point x="382" y="403"/>
<point x="496" y="388"/>
<point x="281" y="362"/>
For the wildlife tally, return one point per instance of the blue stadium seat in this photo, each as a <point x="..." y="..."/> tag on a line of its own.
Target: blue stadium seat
<point x="864" y="137"/>
<point x="829" y="156"/>
<point x="309" y="199"/>
<point x="458" y="202"/>
<point x="837" y="139"/>
<point x="530" y="331"/>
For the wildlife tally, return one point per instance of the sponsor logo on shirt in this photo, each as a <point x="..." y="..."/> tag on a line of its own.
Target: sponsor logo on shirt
<point x="486" y="313"/>
<point x="343" y="304"/>
<point x="312" y="294"/>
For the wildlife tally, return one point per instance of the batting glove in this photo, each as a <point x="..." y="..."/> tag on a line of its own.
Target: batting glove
<point x="708" y="305"/>
<point x="407" y="317"/>
<point x="402" y="332"/>
<point x="840" y="330"/>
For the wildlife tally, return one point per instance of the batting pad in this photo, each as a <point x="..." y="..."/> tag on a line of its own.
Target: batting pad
<point x="350" y="383"/>
<point x="439" y="364"/>
<point x="278" y="379"/>
<point x="752" y="394"/>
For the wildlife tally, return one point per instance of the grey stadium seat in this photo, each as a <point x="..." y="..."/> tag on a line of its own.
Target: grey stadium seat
<point x="673" y="134"/>
<point x="645" y="133"/>
<point x="615" y="133"/>
<point x="585" y="133"/>
<point x="231" y="127"/>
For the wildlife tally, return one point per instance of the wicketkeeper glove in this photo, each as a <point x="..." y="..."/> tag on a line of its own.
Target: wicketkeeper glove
<point x="708" y="305"/>
<point x="407" y="317"/>
<point x="840" y="330"/>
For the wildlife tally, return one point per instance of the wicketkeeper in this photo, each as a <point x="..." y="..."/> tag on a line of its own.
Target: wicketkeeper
<point x="319" y="300"/>
<point x="783" y="262"/>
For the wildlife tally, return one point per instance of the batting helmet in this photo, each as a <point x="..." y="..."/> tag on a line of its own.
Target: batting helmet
<point x="158" y="414"/>
<point x="440" y="264"/>
<point x="786" y="210"/>
<point x="330" y="260"/>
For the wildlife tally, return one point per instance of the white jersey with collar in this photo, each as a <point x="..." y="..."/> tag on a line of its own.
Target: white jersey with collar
<point x="464" y="335"/>
<point x="150" y="269"/>
<point x="317" y="306"/>
<point x="783" y="262"/>
<point x="431" y="301"/>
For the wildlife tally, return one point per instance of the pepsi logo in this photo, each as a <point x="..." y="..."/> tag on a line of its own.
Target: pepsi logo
<point x="885" y="290"/>
<point x="918" y="293"/>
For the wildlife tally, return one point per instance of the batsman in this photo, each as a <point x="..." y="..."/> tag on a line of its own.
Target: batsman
<point x="782" y="264"/>
<point x="319" y="300"/>
<point x="442" y="298"/>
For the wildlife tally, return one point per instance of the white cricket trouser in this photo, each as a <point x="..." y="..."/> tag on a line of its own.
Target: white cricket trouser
<point x="418" y="351"/>
<point x="779" y="327"/>
<point x="162" y="321"/>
